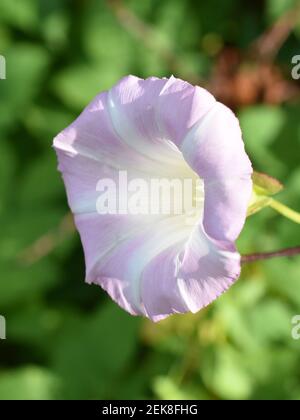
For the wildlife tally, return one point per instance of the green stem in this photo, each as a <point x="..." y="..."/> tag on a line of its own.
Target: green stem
<point x="285" y="211"/>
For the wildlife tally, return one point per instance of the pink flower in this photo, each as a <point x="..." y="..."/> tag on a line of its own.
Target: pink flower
<point x="157" y="264"/>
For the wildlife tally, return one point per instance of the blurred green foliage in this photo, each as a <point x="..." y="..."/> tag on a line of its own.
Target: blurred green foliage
<point x="66" y="339"/>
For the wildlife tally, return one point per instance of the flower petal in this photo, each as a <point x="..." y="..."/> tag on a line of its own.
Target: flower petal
<point x="131" y="254"/>
<point x="181" y="106"/>
<point x="215" y="150"/>
<point x="182" y="281"/>
<point x="156" y="265"/>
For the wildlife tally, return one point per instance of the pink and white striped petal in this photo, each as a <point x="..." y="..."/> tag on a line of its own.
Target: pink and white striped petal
<point x="157" y="264"/>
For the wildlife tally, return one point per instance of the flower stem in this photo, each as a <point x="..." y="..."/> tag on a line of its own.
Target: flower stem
<point x="285" y="211"/>
<point x="288" y="252"/>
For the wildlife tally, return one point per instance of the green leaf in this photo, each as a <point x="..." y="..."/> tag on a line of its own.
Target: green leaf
<point x="20" y="284"/>
<point x="35" y="323"/>
<point x="21" y="13"/>
<point x="39" y="126"/>
<point x="7" y="169"/>
<point x="265" y="184"/>
<point x="276" y="8"/>
<point x="41" y="183"/>
<point x="270" y="321"/>
<point x="26" y="66"/>
<point x="28" y="383"/>
<point x="225" y="374"/>
<point x="100" y="346"/>
<point x="89" y="81"/>
<point x="283" y="276"/>
<point x="56" y="29"/>
<point x="261" y="126"/>
<point x="167" y="389"/>
<point x="18" y="233"/>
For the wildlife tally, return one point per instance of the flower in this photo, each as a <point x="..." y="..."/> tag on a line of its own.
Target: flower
<point x="157" y="264"/>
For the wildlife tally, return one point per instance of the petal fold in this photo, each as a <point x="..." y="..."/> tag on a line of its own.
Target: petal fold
<point x="156" y="264"/>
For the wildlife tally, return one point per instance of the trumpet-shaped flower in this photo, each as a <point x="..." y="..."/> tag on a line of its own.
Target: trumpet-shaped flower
<point x="155" y="263"/>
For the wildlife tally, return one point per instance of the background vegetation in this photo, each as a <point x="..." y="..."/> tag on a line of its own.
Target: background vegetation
<point x="66" y="339"/>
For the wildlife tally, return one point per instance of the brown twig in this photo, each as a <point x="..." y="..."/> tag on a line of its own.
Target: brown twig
<point x="266" y="47"/>
<point x="288" y="252"/>
<point x="48" y="242"/>
<point x="150" y="38"/>
<point x="236" y="80"/>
